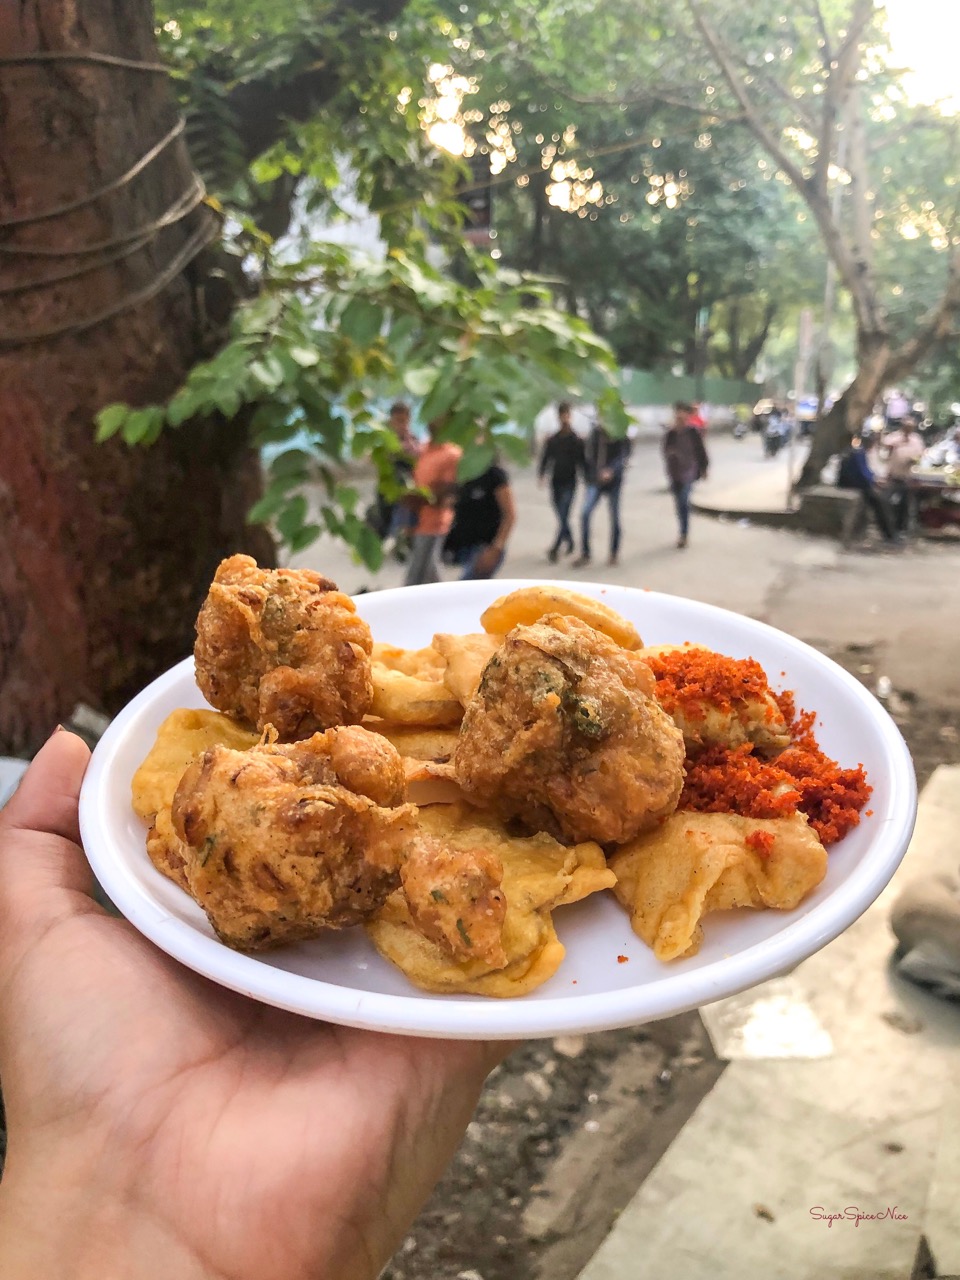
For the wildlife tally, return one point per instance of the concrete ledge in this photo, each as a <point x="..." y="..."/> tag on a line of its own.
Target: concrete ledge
<point x="829" y="511"/>
<point x="771" y="519"/>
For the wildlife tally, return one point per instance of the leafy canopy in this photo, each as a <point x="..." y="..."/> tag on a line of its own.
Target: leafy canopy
<point x="323" y="334"/>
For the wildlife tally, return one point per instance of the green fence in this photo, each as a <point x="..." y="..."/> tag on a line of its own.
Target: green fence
<point x="641" y="388"/>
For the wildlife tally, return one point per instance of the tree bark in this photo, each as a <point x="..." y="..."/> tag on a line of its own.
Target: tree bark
<point x="846" y="415"/>
<point x="107" y="549"/>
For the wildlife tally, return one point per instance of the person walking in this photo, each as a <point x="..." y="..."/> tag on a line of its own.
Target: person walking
<point x="563" y="458"/>
<point x="436" y="472"/>
<point x="686" y="461"/>
<point x="482" y="522"/>
<point x="606" y="461"/>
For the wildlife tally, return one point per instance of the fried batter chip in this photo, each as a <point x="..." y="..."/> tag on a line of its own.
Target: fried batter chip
<point x="418" y="743"/>
<point x="425" y="664"/>
<point x="466" y="657"/>
<point x="693" y="863"/>
<point x="408" y="687"/>
<point x="528" y="605"/>
<point x="538" y="875"/>
<point x="429" y="782"/>
<point x="182" y="736"/>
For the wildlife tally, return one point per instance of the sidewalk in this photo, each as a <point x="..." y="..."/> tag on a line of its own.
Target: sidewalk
<point x="842" y="1091"/>
<point x="764" y="490"/>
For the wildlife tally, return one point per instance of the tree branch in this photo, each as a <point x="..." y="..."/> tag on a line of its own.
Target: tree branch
<point x="852" y="270"/>
<point x="752" y="117"/>
<point x="863" y="12"/>
<point x="650" y="97"/>
<point x="824" y="33"/>
<point x="936" y="326"/>
<point x="841" y="71"/>
<point x="795" y="105"/>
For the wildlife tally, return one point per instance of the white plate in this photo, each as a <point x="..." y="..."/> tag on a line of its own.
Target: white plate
<point x="342" y="979"/>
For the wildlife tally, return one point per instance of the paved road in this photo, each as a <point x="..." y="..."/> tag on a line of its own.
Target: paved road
<point x="903" y="604"/>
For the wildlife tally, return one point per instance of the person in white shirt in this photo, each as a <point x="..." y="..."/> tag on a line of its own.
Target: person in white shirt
<point x="902" y="448"/>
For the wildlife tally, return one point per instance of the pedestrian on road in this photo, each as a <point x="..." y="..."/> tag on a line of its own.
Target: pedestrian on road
<point x="394" y="520"/>
<point x="606" y="461"/>
<point x="482" y="521"/>
<point x="686" y="461"/>
<point x="855" y="473"/>
<point x="436" y="472"/>
<point x="564" y="458"/>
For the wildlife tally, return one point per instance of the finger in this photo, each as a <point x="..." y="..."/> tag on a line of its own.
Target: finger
<point x="47" y="797"/>
<point x="39" y="834"/>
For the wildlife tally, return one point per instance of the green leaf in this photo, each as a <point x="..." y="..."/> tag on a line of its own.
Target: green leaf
<point x="228" y="400"/>
<point x="267" y="507"/>
<point x="182" y="407"/>
<point x="268" y="372"/>
<point x="361" y="321"/>
<point x="442" y="395"/>
<point x="142" y="426"/>
<point x="306" y="357"/>
<point x="347" y="497"/>
<point x="419" y="381"/>
<point x="291" y="463"/>
<point x="369" y="548"/>
<point x="110" y="420"/>
<point x="476" y="459"/>
<point x="292" y="517"/>
<point x="304" y="537"/>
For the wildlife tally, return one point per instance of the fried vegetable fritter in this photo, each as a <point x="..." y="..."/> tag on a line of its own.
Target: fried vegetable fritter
<point x="285" y="841"/>
<point x="282" y="647"/>
<point x="455" y="899"/>
<point x="717" y="701"/>
<point x="539" y="874"/>
<point x="564" y="735"/>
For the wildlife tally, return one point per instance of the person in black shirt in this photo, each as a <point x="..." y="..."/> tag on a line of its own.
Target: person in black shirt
<point x="484" y="516"/>
<point x="563" y="456"/>
<point x="606" y="461"/>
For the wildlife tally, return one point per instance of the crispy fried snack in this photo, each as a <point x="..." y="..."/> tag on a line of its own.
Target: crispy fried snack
<point x="404" y="699"/>
<point x="408" y="687"/>
<point x="418" y="743"/>
<point x="282" y="647"/>
<point x="425" y="664"/>
<point x="455" y="900"/>
<point x="717" y="701"/>
<point x="181" y="737"/>
<point x="565" y="736"/>
<point x="166" y="850"/>
<point x="286" y="841"/>
<point x="527" y="605"/>
<point x="466" y="657"/>
<point x="431" y="783"/>
<point x="694" y="863"/>
<point x="538" y="875"/>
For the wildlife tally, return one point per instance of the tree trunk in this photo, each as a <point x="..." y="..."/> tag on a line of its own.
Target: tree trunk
<point x="845" y="418"/>
<point x="107" y="549"/>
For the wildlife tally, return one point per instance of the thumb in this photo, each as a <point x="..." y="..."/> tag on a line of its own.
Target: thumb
<point x="40" y="853"/>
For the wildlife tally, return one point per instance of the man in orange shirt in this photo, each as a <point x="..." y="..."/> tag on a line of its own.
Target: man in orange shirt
<point x="435" y="471"/>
